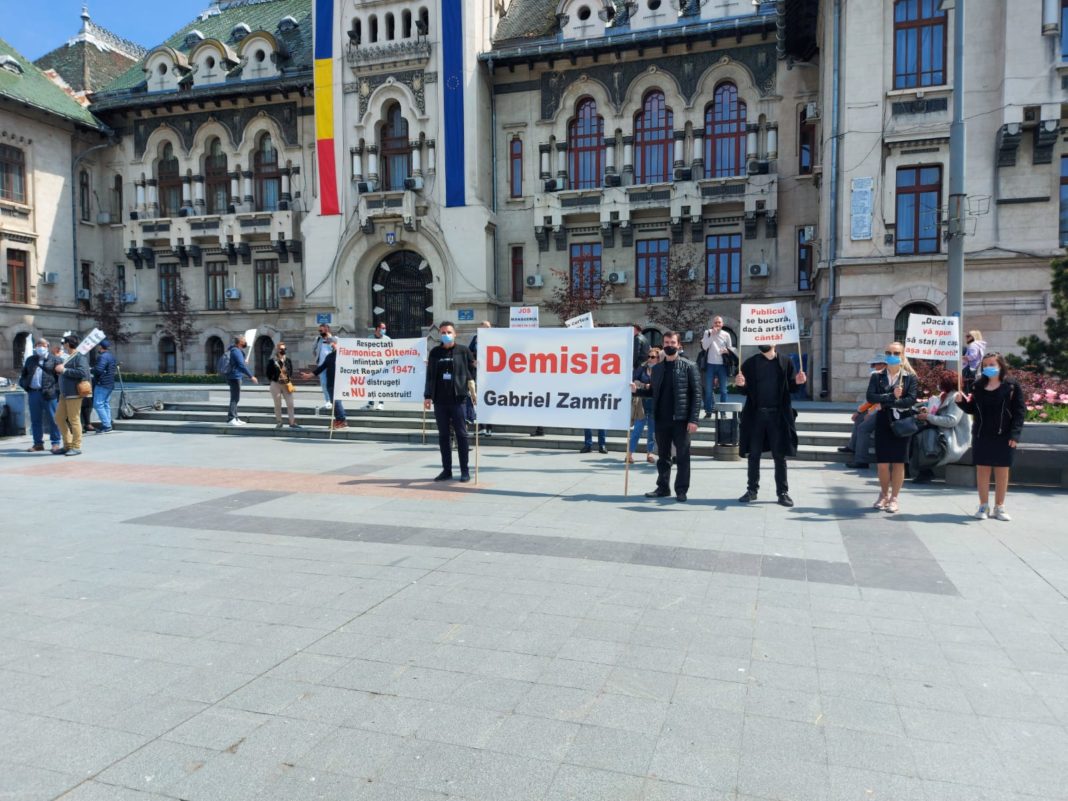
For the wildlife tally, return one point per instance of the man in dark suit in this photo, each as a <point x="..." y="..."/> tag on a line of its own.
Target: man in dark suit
<point x="676" y="394"/>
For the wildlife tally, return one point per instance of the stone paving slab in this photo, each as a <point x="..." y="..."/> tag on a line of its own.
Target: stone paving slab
<point x="228" y="618"/>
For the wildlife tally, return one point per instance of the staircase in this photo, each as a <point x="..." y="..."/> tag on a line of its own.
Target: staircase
<point x="821" y="428"/>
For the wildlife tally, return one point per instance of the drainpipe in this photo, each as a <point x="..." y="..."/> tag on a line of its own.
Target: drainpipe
<point x="493" y="181"/>
<point x="832" y="226"/>
<point x="74" y="187"/>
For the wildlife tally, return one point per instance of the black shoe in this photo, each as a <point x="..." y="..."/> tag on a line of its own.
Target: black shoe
<point x="845" y="449"/>
<point x="707" y="416"/>
<point x="680" y="497"/>
<point x="585" y="449"/>
<point x="785" y="500"/>
<point x="538" y="432"/>
<point x="659" y="493"/>
<point x="602" y="449"/>
<point x="444" y="475"/>
<point x="749" y="497"/>
<point x="857" y="465"/>
<point x="464" y="476"/>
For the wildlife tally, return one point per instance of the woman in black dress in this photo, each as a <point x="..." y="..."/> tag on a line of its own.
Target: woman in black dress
<point x="998" y="406"/>
<point x="894" y="389"/>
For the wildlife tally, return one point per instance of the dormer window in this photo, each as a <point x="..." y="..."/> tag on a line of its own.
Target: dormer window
<point x="164" y="69"/>
<point x="287" y="24"/>
<point x="239" y="32"/>
<point x="11" y="64"/>
<point x="192" y="38"/>
<point x="582" y="19"/>
<point x="260" y="51"/>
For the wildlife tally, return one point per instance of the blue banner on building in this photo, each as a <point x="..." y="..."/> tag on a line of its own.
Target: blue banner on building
<point x="452" y="64"/>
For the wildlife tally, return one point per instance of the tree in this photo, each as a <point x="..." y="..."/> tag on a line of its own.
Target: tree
<point x="1050" y="355"/>
<point x="682" y="308"/>
<point x="109" y="310"/>
<point x="572" y="298"/>
<point x="178" y="320"/>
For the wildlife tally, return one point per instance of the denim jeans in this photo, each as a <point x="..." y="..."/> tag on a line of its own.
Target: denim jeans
<point x="102" y="405"/>
<point x="636" y="434"/>
<point x="714" y="371"/>
<point x="235" y="397"/>
<point x="40" y="406"/>
<point x="588" y="441"/>
<point x="322" y="384"/>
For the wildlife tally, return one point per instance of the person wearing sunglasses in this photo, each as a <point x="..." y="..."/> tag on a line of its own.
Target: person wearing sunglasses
<point x="894" y="390"/>
<point x="642" y="411"/>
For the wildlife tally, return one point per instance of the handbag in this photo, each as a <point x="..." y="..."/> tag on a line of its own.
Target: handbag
<point x="930" y="446"/>
<point x="702" y="360"/>
<point x="290" y="388"/>
<point x="905" y="426"/>
<point x="85" y="389"/>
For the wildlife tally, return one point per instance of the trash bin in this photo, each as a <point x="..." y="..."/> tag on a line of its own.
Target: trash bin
<point x="13" y="399"/>
<point x="727" y="432"/>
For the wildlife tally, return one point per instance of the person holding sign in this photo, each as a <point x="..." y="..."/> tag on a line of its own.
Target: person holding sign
<point x="997" y="402"/>
<point x="768" y="380"/>
<point x="716" y="343"/>
<point x="449" y="368"/>
<point x="329" y="368"/>
<point x="894" y="389"/>
<point x="675" y="390"/>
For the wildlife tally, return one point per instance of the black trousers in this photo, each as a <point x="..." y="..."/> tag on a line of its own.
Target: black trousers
<point x="235" y="397"/>
<point x="668" y="433"/>
<point x="451" y="416"/>
<point x="766" y="422"/>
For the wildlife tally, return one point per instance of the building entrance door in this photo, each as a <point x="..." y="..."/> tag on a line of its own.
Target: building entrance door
<point x="402" y="295"/>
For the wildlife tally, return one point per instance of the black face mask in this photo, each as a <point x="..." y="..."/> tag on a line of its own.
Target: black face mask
<point x="764" y="348"/>
<point x="670" y="350"/>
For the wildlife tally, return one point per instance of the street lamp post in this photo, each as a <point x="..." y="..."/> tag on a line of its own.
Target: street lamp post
<point x="957" y="197"/>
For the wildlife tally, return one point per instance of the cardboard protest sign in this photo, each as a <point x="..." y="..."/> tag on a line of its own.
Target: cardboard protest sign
<point x="92" y="339"/>
<point x="935" y="338"/>
<point x="582" y="321"/>
<point x="769" y="323"/>
<point x="27" y="351"/>
<point x="523" y="317"/>
<point x="380" y="369"/>
<point x="250" y="338"/>
<point x="574" y="378"/>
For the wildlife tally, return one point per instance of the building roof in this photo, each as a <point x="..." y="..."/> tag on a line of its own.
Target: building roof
<point x="527" y="19"/>
<point x="23" y="83"/>
<point x="92" y="59"/>
<point x="218" y="22"/>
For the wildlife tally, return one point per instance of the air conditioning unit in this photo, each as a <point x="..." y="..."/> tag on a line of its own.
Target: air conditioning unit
<point x="812" y="111"/>
<point x="286" y="292"/>
<point x="135" y="216"/>
<point x="535" y="281"/>
<point x="617" y="278"/>
<point x="363" y="187"/>
<point x="129" y="298"/>
<point x="413" y="184"/>
<point x="554" y="185"/>
<point x="810" y="233"/>
<point x="232" y="294"/>
<point x="51" y="279"/>
<point x="84" y="294"/>
<point x="103" y="218"/>
<point x="759" y="271"/>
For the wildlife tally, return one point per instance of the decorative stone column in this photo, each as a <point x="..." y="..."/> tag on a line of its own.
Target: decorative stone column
<point x="431" y="157"/>
<point x="698" y="162"/>
<point x="139" y="191"/>
<point x="187" y="192"/>
<point x="249" y="198"/>
<point x="235" y="188"/>
<point x="561" y="162"/>
<point x="773" y="140"/>
<point x="610" y="156"/>
<point x="357" y="163"/>
<point x="372" y="163"/>
<point x="680" y="150"/>
<point x="198" y="194"/>
<point x="287" y="196"/>
<point x="752" y="131"/>
<point x="545" y="171"/>
<point x="417" y="158"/>
<point x="628" y="159"/>
<point x="153" y="198"/>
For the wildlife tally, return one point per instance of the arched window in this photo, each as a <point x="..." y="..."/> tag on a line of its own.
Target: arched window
<point x="216" y="179"/>
<point x="168" y="356"/>
<point x="423" y="25"/>
<point x="406" y="24"/>
<point x="901" y="322"/>
<point x="725" y="133"/>
<point x="12" y="174"/>
<point x="268" y="179"/>
<point x="170" y="183"/>
<point x="585" y="146"/>
<point x="83" y="195"/>
<point x="213" y="351"/>
<point x="372" y="25"/>
<point x="396" y="152"/>
<point x="515" y="168"/>
<point x="653" y="140"/>
<point x="391" y="28"/>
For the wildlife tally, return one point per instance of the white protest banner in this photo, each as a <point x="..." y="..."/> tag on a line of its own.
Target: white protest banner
<point x="27" y="351"/>
<point x="935" y="338"/>
<point x="582" y="321"/>
<point x="769" y="323"/>
<point x="250" y="338"/>
<point x="92" y="339"/>
<point x="380" y="369"/>
<point x="571" y="378"/>
<point x="523" y="317"/>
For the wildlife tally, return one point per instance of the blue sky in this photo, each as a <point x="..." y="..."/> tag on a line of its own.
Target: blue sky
<point x="33" y="27"/>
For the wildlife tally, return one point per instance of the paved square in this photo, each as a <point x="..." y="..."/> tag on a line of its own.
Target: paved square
<point x="225" y="618"/>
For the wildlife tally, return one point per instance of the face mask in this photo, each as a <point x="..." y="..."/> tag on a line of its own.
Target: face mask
<point x="992" y="372"/>
<point x="670" y="350"/>
<point x="281" y="353"/>
<point x="893" y="361"/>
<point x="447" y="339"/>
<point x="41" y="352"/>
<point x="382" y="333"/>
<point x="764" y="348"/>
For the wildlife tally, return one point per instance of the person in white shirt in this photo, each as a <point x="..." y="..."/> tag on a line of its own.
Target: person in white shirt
<point x="716" y="343"/>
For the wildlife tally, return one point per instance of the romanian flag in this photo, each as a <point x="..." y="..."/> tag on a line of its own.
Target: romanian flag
<point x="324" y="106"/>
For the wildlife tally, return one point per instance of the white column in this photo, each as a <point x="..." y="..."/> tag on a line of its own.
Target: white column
<point x="249" y="198"/>
<point x="561" y="160"/>
<point x="543" y="151"/>
<point x="140" y="192"/>
<point x="187" y="192"/>
<point x="198" y="193"/>
<point x="235" y="188"/>
<point x="610" y="156"/>
<point x="698" y="148"/>
<point x="431" y="157"/>
<point x="751" y="141"/>
<point x="285" y="185"/>
<point x="357" y="165"/>
<point x="153" y="198"/>
<point x="372" y="163"/>
<point x="773" y="140"/>
<point x="628" y="154"/>
<point x="680" y="148"/>
<point x="1050" y="17"/>
<point x="417" y="159"/>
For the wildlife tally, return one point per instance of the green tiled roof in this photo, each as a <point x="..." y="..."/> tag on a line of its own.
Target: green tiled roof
<point x="258" y="15"/>
<point x="527" y="19"/>
<point x="84" y="66"/>
<point x="33" y="88"/>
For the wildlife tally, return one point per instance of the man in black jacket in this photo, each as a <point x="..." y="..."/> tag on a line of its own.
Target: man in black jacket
<point x="327" y="369"/>
<point x="38" y="379"/>
<point x="676" y="394"/>
<point x="449" y="368"/>
<point x="768" y="379"/>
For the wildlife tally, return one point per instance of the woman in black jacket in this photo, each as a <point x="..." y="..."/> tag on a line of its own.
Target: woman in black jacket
<point x="327" y="367"/>
<point x="280" y="374"/>
<point x="894" y="389"/>
<point x="997" y="402"/>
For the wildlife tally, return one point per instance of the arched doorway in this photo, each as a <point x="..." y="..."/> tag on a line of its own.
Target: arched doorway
<point x="654" y="337"/>
<point x="18" y="350"/>
<point x="168" y="356"/>
<point x="263" y="351"/>
<point x="901" y="322"/>
<point x="213" y="351"/>
<point x="402" y="294"/>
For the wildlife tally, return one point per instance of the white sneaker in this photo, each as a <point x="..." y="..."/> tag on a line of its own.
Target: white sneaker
<point x="380" y="406"/>
<point x="982" y="513"/>
<point x="236" y="422"/>
<point x="1001" y="514"/>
